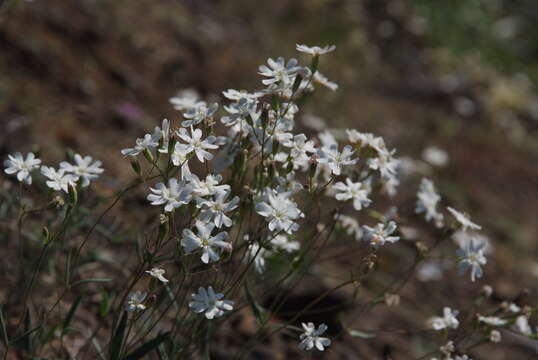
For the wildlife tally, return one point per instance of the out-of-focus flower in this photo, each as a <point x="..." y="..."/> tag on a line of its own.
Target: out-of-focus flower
<point x="447" y="321"/>
<point x="83" y="169"/>
<point x="472" y="256"/>
<point x="315" y="50"/>
<point x="158" y="273"/>
<point x="427" y="201"/>
<point x="210" y="303"/>
<point x="435" y="156"/>
<point x="312" y="337"/>
<point x="135" y="301"/>
<point x="358" y="192"/>
<point x="380" y="234"/>
<point x="492" y="320"/>
<point x="463" y="220"/>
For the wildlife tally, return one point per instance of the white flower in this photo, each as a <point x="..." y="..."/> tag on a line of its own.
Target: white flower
<point x="463" y="220"/>
<point x="448" y="321"/>
<point x="427" y="202"/>
<point x="58" y="180"/>
<point x="257" y="253"/>
<point x="165" y="136"/>
<point x="495" y="336"/>
<point x="149" y="142"/>
<point x="280" y="74"/>
<point x="280" y="212"/>
<point x="312" y="337"/>
<point x="211" y="245"/>
<point x="435" y="156"/>
<point x="300" y="148"/>
<point x="240" y="111"/>
<point x="135" y="301"/>
<point x="380" y="234"/>
<point x="323" y="80"/>
<point x="237" y="95"/>
<point x="210" y="303"/>
<point x="335" y="159"/>
<point x="282" y="242"/>
<point x="522" y="325"/>
<point x="462" y="357"/>
<point x="208" y="187"/>
<point x="17" y="164"/>
<point x="357" y="191"/>
<point x="199" y="113"/>
<point x="84" y="169"/>
<point x="185" y="100"/>
<point x="175" y="195"/>
<point x="158" y="274"/>
<point x="492" y="320"/>
<point x="215" y="210"/>
<point x="196" y="144"/>
<point x="315" y="50"/>
<point x="385" y="163"/>
<point x="180" y="157"/>
<point x="365" y="140"/>
<point x="472" y="256"/>
<point x="350" y="225"/>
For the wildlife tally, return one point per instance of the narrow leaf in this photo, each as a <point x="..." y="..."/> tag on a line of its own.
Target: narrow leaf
<point x="86" y="281"/>
<point x="117" y="340"/>
<point x="69" y="317"/>
<point x="259" y="312"/>
<point x="361" y="334"/>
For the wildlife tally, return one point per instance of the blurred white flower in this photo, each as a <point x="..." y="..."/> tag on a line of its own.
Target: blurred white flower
<point x="22" y="167"/>
<point x="282" y="242"/>
<point x="492" y="320"/>
<point x="185" y="100"/>
<point x="135" y="301"/>
<point x="380" y="235"/>
<point x="312" y="337"/>
<point x="463" y="220"/>
<point x="158" y="273"/>
<point x="427" y="201"/>
<point x="357" y="191"/>
<point x="522" y="325"/>
<point x="472" y="256"/>
<point x="210" y="303"/>
<point x="165" y="136"/>
<point x="447" y="321"/>
<point x="350" y="225"/>
<point x="199" y="113"/>
<point x="83" y="169"/>
<point x="315" y="50"/>
<point x="435" y="156"/>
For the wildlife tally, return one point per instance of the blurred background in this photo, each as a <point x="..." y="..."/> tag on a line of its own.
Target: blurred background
<point x="450" y="84"/>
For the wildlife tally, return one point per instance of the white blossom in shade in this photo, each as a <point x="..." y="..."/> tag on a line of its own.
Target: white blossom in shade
<point x="385" y="163"/>
<point x="211" y="245"/>
<point x="185" y="100"/>
<point x="323" y="80"/>
<point x="315" y="50"/>
<point x="435" y="156"/>
<point x="312" y="337"/>
<point x="240" y="111"/>
<point x="390" y="186"/>
<point x="380" y="234"/>
<point x="462" y="357"/>
<point x="196" y="144"/>
<point x="431" y="270"/>
<point x="300" y="150"/>
<point x="472" y="256"/>
<point x="237" y="95"/>
<point x="356" y="191"/>
<point x="492" y="320"/>
<point x="427" y="200"/>
<point x="83" y="169"/>
<point x="462" y="238"/>
<point x="208" y="187"/>
<point x="365" y="140"/>
<point x="199" y="113"/>
<point x="280" y="211"/>
<point x="216" y="209"/>
<point x="282" y="242"/>
<point x="180" y="157"/>
<point x="522" y="325"/>
<point x="447" y="321"/>
<point x="172" y="196"/>
<point x="463" y="220"/>
<point x="210" y="303"/>
<point x="158" y="274"/>
<point x="334" y="159"/>
<point x="165" y="136"/>
<point x="257" y="254"/>
<point x="58" y="179"/>
<point x="495" y="336"/>
<point x="288" y="183"/>
<point x="16" y="164"/>
<point x="280" y="75"/>
<point x="350" y="226"/>
<point x="149" y="142"/>
<point x="135" y="301"/>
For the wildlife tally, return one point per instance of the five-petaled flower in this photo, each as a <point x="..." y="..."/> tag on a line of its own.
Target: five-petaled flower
<point x="210" y="303"/>
<point x="312" y="337"/>
<point x="22" y="167"/>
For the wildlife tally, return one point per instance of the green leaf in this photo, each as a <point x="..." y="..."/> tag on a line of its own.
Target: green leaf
<point x="104" y="306"/>
<point x="86" y="281"/>
<point x="361" y="334"/>
<point x="3" y="329"/>
<point x="117" y="340"/>
<point x="69" y="317"/>
<point x="259" y="312"/>
<point x="141" y="351"/>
